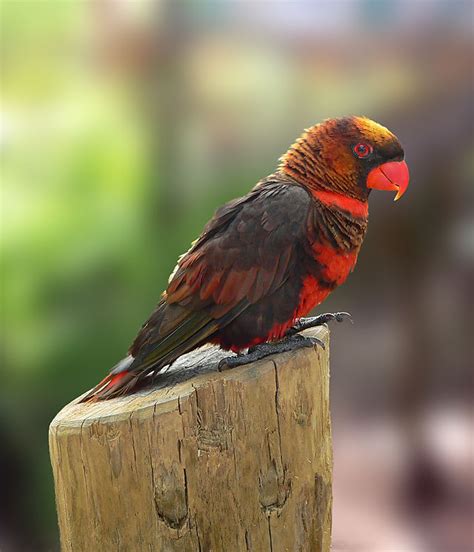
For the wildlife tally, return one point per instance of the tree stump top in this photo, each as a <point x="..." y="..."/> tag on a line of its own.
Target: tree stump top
<point x="182" y="379"/>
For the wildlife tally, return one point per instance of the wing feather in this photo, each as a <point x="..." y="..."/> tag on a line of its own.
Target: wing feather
<point x="244" y="254"/>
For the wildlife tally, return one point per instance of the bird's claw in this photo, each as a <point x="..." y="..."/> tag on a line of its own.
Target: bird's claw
<point x="314" y="321"/>
<point x="314" y="342"/>
<point x="339" y="316"/>
<point x="257" y="352"/>
<point x="228" y="362"/>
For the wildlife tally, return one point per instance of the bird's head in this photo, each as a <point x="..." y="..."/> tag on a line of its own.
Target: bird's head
<point x="349" y="156"/>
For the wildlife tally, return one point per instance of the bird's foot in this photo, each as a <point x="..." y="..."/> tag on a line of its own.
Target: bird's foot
<point x="313" y="321"/>
<point x="290" y="343"/>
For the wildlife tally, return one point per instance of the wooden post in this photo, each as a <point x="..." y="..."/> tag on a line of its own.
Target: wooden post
<point x="208" y="461"/>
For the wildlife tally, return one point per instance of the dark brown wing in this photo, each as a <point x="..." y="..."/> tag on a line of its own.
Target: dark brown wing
<point x="243" y="255"/>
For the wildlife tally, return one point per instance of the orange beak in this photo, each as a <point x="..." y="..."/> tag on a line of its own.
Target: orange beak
<point x="393" y="176"/>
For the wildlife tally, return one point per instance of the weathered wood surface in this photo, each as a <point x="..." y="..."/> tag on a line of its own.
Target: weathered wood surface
<point x="207" y="461"/>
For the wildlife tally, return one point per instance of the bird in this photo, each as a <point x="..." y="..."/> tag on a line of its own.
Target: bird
<point x="267" y="259"/>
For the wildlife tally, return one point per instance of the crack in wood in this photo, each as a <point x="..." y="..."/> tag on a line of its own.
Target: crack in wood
<point x="270" y="534"/>
<point x="248" y="543"/>
<point x="277" y="411"/>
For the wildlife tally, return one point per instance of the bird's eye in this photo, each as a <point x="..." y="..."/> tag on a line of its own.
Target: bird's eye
<point x="363" y="150"/>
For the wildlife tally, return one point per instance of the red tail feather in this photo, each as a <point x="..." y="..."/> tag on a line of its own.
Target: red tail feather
<point x="111" y="386"/>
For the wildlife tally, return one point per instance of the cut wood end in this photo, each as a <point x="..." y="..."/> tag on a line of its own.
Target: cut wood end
<point x="189" y="372"/>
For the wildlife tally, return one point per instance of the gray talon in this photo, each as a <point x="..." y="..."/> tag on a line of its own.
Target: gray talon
<point x="314" y="321"/>
<point x="341" y="316"/>
<point x="315" y="342"/>
<point x="224" y="364"/>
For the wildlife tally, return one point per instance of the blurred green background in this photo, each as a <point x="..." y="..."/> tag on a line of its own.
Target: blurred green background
<point x="125" y="124"/>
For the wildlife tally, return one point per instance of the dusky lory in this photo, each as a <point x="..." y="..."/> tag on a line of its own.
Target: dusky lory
<point x="267" y="259"/>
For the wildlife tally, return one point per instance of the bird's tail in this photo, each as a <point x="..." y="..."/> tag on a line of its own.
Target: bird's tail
<point x="120" y="381"/>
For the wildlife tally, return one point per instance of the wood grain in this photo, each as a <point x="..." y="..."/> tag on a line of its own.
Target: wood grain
<point x="205" y="461"/>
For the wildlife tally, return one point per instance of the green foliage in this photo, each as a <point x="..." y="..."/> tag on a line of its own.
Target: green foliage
<point x="72" y="235"/>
